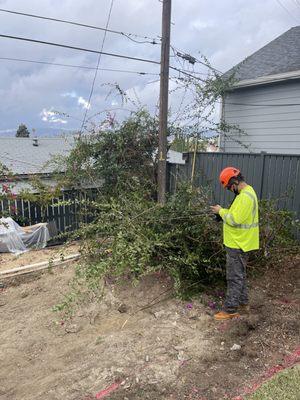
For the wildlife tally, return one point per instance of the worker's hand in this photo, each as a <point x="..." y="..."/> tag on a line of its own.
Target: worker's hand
<point x="215" y="209"/>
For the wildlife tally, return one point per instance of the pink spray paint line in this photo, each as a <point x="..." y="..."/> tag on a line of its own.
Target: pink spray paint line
<point x="287" y="302"/>
<point x="288" y="362"/>
<point x="103" y="393"/>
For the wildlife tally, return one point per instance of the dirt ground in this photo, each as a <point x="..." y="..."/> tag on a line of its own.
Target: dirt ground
<point x="171" y="350"/>
<point x="9" y="260"/>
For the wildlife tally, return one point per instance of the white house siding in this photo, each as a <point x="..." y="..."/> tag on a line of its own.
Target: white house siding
<point x="273" y="129"/>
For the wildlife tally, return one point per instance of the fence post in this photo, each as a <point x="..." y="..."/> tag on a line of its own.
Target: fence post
<point x="262" y="154"/>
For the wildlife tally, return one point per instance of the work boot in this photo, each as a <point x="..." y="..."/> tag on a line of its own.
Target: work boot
<point x="224" y="316"/>
<point x="244" y="308"/>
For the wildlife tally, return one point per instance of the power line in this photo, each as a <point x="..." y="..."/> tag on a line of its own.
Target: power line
<point x="96" y="52"/>
<point x="93" y="68"/>
<point x="192" y="60"/>
<point x="98" y="63"/>
<point x="287" y="10"/>
<point x="100" y="69"/>
<point x="77" y="66"/>
<point x="187" y="74"/>
<point x="79" y="48"/>
<point x="193" y="72"/>
<point x="297" y="3"/>
<point x="126" y="34"/>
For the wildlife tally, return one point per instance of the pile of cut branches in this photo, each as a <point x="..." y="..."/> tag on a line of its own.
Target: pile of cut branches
<point x="132" y="235"/>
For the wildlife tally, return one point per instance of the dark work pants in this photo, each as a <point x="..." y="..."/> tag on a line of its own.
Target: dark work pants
<point x="237" y="292"/>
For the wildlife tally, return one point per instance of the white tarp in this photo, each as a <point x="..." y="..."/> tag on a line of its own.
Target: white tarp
<point x="15" y="239"/>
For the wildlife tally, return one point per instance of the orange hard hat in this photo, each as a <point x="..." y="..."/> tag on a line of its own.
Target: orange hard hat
<point x="228" y="173"/>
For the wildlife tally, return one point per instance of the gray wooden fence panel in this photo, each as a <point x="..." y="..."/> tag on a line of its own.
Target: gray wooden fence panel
<point x="66" y="217"/>
<point x="273" y="176"/>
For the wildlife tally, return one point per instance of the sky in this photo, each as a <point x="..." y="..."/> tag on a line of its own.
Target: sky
<point x="50" y="98"/>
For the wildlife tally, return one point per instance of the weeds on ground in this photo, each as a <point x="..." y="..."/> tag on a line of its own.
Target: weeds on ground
<point x="284" y="386"/>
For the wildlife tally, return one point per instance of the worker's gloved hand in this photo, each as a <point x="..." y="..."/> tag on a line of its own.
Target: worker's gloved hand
<point x="218" y="218"/>
<point x="215" y="209"/>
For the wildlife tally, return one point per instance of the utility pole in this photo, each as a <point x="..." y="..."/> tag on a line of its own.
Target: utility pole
<point x="163" y="101"/>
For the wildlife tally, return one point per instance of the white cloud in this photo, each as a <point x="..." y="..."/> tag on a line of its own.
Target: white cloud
<point x="225" y="31"/>
<point x="72" y="94"/>
<point x="51" y="116"/>
<point x="81" y="102"/>
<point x="84" y="103"/>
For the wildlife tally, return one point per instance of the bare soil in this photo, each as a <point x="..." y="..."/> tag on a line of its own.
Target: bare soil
<point x="9" y="260"/>
<point x="143" y="340"/>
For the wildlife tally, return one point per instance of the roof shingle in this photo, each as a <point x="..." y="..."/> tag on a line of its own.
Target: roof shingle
<point x="23" y="158"/>
<point x="279" y="56"/>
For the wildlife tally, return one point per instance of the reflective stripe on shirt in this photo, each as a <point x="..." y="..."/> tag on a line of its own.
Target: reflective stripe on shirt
<point x="243" y="226"/>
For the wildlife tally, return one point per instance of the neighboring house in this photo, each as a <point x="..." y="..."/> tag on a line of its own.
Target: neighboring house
<point x="213" y="145"/>
<point x="175" y="157"/>
<point x="27" y="157"/>
<point x="265" y="100"/>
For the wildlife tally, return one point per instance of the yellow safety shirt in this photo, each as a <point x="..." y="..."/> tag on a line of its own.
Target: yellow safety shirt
<point x="240" y="221"/>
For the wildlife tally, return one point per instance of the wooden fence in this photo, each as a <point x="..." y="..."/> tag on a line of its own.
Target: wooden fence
<point x="66" y="211"/>
<point x="273" y="176"/>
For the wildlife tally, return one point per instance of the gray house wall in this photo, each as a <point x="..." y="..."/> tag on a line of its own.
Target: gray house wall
<point x="267" y="127"/>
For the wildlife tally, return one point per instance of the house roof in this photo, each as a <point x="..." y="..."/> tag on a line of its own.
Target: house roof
<point x="279" y="57"/>
<point x="23" y="158"/>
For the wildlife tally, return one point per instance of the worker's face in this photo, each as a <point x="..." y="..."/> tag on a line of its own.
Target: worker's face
<point x="233" y="187"/>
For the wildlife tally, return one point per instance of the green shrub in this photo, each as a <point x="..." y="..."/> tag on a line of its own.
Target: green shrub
<point x="132" y="235"/>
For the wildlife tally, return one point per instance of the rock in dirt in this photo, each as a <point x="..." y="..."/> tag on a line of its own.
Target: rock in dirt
<point x="74" y="328"/>
<point x="236" y="347"/>
<point x="159" y="314"/>
<point x="253" y="322"/>
<point x="123" y="308"/>
<point x="181" y="356"/>
<point x="24" y="294"/>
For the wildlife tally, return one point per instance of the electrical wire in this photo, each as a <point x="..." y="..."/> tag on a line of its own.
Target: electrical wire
<point x="96" y="52"/>
<point x="126" y="34"/>
<point x="196" y="72"/>
<point x="99" y="69"/>
<point x="297" y="3"/>
<point x="193" y="59"/>
<point x="186" y="73"/>
<point x="77" y="66"/>
<point x="287" y="10"/>
<point x="98" y="63"/>
<point x="79" y="48"/>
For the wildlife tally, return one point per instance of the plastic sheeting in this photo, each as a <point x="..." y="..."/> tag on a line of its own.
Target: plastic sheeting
<point x="15" y="239"/>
